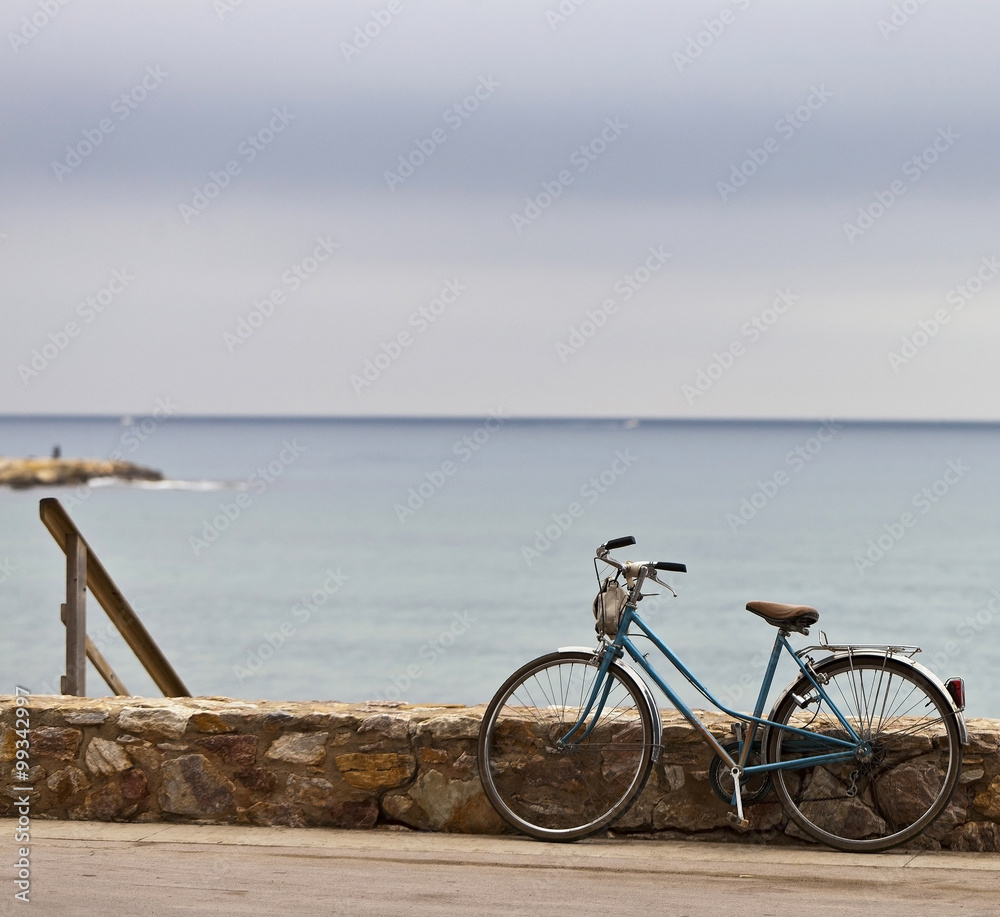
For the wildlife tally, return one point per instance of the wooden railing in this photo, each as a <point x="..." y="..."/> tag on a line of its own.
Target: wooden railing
<point x="84" y="571"/>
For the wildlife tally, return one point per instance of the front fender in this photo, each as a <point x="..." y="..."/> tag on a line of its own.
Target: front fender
<point x="626" y="673"/>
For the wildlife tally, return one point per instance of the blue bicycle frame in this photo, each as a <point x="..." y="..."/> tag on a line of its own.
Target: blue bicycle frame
<point x="623" y="643"/>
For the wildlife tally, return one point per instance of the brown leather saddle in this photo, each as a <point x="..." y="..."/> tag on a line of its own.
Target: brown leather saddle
<point x="788" y="617"/>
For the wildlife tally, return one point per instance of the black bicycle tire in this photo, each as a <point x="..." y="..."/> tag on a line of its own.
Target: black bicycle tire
<point x="497" y="795"/>
<point x="783" y="780"/>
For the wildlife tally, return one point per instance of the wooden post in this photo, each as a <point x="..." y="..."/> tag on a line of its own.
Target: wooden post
<point x="109" y="597"/>
<point x="75" y="680"/>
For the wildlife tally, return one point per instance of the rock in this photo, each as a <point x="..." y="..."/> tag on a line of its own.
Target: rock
<point x="134" y="786"/>
<point x="8" y="740"/>
<point x="192" y="785"/>
<point x="258" y="779"/>
<point x="376" y="771"/>
<point x="971" y="775"/>
<point x="477" y="816"/>
<point x="398" y="807"/>
<point x="299" y="748"/>
<point x="449" y="726"/>
<point x="359" y="813"/>
<point x="440" y="798"/>
<point x="309" y="791"/>
<point x="55" y="742"/>
<point x="988" y="802"/>
<point x="104" y="804"/>
<point x="977" y="836"/>
<point x="210" y="722"/>
<point x="87" y="718"/>
<point x="67" y="782"/>
<point x="143" y="753"/>
<point x="30" y="472"/>
<point x="167" y="721"/>
<point x="427" y="756"/>
<point x="232" y="749"/>
<point x="269" y="814"/>
<point x="105" y="758"/>
<point x="386" y="724"/>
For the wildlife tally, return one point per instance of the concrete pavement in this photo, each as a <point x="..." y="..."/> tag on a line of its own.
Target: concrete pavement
<point x="90" y="868"/>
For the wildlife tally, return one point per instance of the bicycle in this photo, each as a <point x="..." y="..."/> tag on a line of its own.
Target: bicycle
<point x="863" y="748"/>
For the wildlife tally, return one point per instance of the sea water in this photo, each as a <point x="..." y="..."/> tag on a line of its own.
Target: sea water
<point x="425" y="560"/>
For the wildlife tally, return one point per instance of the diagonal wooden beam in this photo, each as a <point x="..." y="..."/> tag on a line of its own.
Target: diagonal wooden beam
<point x="103" y="588"/>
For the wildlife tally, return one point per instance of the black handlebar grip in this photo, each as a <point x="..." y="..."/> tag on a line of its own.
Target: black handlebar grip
<point x="673" y="568"/>
<point x="619" y="542"/>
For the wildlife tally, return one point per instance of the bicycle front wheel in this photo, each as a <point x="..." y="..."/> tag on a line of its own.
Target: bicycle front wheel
<point x="889" y="795"/>
<point x="549" y="777"/>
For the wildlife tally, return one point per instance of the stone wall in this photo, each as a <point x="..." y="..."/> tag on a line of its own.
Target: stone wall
<point x="220" y="761"/>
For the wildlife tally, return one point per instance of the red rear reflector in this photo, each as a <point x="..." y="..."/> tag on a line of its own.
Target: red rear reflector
<point x="956" y="688"/>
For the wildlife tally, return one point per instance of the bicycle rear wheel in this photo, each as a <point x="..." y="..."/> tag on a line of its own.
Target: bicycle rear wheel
<point x="552" y="785"/>
<point x="896" y="791"/>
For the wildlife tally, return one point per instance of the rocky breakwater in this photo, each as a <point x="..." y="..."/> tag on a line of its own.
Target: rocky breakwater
<point x="36" y="472"/>
<point x="222" y="761"/>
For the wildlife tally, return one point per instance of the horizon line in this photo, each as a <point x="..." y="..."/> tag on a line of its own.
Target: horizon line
<point x="527" y="418"/>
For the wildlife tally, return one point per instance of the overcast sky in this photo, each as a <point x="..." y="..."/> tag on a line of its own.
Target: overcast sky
<point x="684" y="209"/>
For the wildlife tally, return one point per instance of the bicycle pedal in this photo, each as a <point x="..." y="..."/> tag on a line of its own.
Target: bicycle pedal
<point x="736" y="820"/>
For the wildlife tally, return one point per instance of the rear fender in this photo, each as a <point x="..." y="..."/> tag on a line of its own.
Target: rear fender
<point x="963" y="731"/>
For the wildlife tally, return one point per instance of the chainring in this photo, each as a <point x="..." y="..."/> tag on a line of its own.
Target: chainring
<point x="755" y="786"/>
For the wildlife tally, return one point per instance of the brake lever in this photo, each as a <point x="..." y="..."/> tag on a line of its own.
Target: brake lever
<point x="656" y="579"/>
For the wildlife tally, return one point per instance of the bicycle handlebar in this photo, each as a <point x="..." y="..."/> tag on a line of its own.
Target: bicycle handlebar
<point x="622" y="542"/>
<point x="604" y="549"/>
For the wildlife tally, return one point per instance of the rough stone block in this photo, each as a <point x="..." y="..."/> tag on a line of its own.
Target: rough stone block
<point x="105" y="758"/>
<point x="192" y="785"/>
<point x="55" y="742"/>
<point x="232" y="749"/>
<point x="299" y="748"/>
<point x="377" y="770"/>
<point x="257" y="779"/>
<point x="169" y="722"/>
